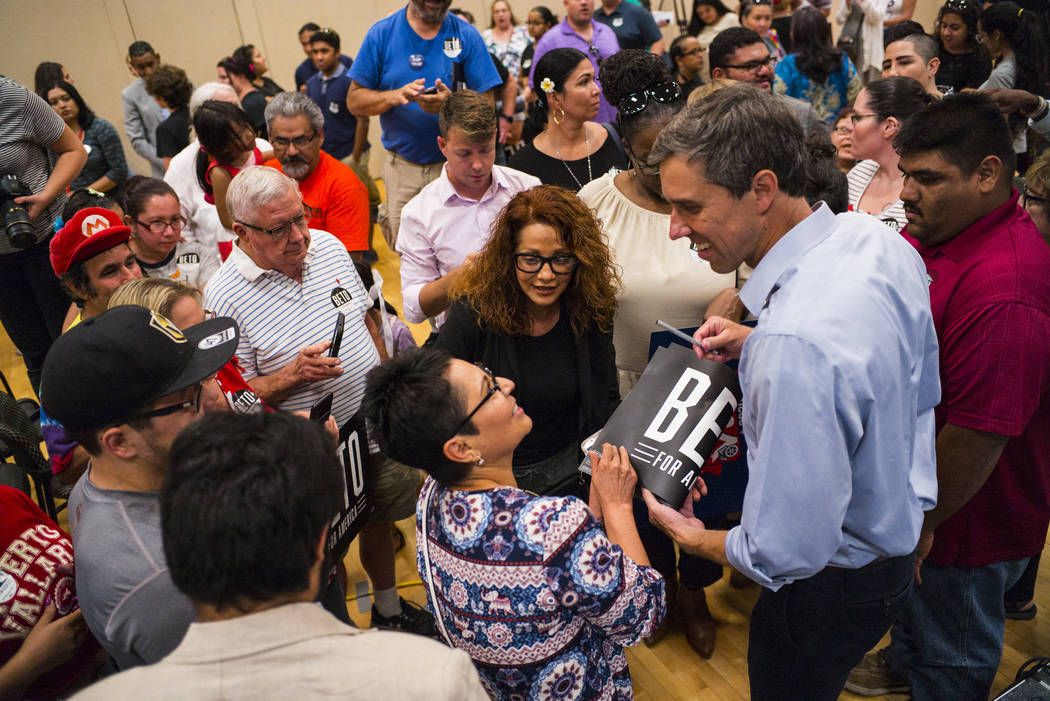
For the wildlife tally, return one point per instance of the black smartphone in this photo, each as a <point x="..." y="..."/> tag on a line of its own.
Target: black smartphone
<point x="432" y="90"/>
<point x="337" y="336"/>
<point x="322" y="409"/>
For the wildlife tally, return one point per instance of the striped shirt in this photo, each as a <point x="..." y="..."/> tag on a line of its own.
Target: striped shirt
<point x="858" y="179"/>
<point x="277" y="316"/>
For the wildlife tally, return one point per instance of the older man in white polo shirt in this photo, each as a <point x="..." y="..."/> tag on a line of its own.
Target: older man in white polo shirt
<point x="285" y="285"/>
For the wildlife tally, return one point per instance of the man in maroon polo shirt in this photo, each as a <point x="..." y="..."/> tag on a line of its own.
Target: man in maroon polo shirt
<point x="990" y="296"/>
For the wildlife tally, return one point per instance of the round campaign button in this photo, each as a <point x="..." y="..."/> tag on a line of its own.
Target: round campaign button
<point x="416" y="61"/>
<point x="618" y="21"/>
<point x="8" y="588"/>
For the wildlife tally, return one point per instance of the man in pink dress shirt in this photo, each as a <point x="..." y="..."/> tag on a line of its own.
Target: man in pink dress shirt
<point x="451" y="217"/>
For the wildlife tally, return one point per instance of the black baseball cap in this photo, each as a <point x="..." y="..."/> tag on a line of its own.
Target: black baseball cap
<point x="106" y="368"/>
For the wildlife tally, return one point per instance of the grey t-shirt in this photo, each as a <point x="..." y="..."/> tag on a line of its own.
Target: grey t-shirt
<point x="189" y="262"/>
<point x="129" y="601"/>
<point x="28" y="126"/>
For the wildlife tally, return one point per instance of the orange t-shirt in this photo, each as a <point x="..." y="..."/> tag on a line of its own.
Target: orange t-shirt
<point x="336" y="201"/>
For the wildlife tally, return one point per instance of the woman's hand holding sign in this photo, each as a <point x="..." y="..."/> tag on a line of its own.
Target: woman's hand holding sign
<point x="719" y="339"/>
<point x="613" y="481"/>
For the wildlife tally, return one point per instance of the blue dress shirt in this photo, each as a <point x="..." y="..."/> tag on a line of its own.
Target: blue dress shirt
<point x="839" y="381"/>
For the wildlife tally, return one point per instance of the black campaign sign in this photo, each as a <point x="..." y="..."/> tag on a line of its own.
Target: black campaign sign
<point x="671" y="420"/>
<point x="354" y="504"/>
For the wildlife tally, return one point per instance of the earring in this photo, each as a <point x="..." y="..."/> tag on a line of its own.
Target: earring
<point x="480" y="461"/>
<point x="556" y="118"/>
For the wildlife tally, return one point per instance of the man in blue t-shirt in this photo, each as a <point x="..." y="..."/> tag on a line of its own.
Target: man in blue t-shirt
<point x="633" y="25"/>
<point x="306" y="69"/>
<point x="406" y="66"/>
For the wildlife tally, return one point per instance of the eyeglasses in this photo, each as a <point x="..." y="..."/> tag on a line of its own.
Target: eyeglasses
<point x="1028" y="198"/>
<point x="532" y="263"/>
<point x="642" y="167"/>
<point x="753" y="66"/>
<point x="300" y="142"/>
<point x="172" y="409"/>
<point x="493" y="388"/>
<point x="637" y="101"/>
<point x="843" y="131"/>
<point x="281" y="230"/>
<point x="160" y="226"/>
<point x="693" y="52"/>
<point x="854" y="118"/>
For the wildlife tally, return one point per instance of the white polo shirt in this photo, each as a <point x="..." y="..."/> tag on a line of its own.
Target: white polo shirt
<point x="277" y="316"/>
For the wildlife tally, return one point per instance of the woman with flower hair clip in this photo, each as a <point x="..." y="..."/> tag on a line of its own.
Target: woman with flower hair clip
<point x="571" y="150"/>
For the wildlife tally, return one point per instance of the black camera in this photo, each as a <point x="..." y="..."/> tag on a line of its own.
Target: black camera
<point x="17" y="225"/>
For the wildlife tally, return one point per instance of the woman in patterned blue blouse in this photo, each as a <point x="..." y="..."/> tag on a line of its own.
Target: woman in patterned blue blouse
<point x="543" y="593"/>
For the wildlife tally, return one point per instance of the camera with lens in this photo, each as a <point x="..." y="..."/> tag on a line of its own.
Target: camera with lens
<point x="17" y="225"/>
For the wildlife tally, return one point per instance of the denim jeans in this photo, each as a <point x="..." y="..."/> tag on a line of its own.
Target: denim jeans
<point x="32" y="305"/>
<point x="948" y="640"/>
<point x="807" y="636"/>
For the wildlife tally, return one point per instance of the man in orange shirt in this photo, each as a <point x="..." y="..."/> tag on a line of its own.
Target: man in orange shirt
<point x="335" y="199"/>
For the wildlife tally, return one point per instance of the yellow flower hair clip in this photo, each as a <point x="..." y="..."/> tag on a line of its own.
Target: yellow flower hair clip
<point x="547" y="85"/>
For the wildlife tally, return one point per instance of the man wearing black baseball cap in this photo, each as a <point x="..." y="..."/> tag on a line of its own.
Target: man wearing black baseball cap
<point x="124" y="383"/>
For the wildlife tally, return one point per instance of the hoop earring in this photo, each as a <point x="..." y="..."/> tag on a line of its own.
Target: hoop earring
<point x="556" y="118"/>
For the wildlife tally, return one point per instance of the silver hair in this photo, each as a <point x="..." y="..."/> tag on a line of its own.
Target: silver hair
<point x="734" y="133"/>
<point x="210" y="91"/>
<point x="253" y="187"/>
<point x="291" y="105"/>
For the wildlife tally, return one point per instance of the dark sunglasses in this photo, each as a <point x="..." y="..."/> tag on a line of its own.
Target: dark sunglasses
<point x="637" y="101"/>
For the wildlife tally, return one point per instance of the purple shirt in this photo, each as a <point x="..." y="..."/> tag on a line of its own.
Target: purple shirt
<point x="564" y="36"/>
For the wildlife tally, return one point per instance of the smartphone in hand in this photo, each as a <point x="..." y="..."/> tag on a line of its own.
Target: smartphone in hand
<point x="322" y="409"/>
<point x="337" y="336"/>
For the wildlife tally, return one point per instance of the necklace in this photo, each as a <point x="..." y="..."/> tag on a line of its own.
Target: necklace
<point x="587" y="145"/>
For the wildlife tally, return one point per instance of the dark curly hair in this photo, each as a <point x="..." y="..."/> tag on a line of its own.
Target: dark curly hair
<point x="171" y="84"/>
<point x="490" y="283"/>
<point x="631" y="71"/>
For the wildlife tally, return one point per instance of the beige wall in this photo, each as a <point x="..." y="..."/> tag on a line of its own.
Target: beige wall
<point x="90" y="37"/>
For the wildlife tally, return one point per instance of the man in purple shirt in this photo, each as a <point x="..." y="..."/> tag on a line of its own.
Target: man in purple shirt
<point x="579" y="31"/>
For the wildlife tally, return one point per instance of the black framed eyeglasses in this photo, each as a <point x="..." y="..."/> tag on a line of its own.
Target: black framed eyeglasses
<point x="493" y="388"/>
<point x="281" y="230"/>
<point x="642" y="167"/>
<point x="637" y="101"/>
<point x="160" y="226"/>
<point x="1028" y="198"/>
<point x="854" y="118"/>
<point x="753" y="66"/>
<point x="300" y="142"/>
<point x="532" y="263"/>
<point x="173" y="408"/>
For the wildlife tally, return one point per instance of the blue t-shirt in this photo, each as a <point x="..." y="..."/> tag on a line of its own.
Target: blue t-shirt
<point x="339" y="124"/>
<point x="393" y="55"/>
<point x="307" y="68"/>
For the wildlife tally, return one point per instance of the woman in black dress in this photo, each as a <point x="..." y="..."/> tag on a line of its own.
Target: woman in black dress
<point x="964" y="62"/>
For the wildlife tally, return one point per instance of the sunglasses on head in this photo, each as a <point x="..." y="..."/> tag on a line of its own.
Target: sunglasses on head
<point x="636" y="102"/>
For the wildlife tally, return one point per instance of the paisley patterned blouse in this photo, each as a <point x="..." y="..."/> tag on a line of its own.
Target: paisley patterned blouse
<point x="533" y="590"/>
<point x="828" y="98"/>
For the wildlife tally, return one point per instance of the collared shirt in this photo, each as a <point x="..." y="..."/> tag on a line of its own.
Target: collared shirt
<point x="340" y="125"/>
<point x="990" y="296"/>
<point x="839" y="383"/>
<point x="602" y="45"/>
<point x="306" y="69"/>
<point x="393" y="55"/>
<point x="277" y="316"/>
<point x="440" y="228"/>
<point x="633" y="25"/>
<point x="300" y="651"/>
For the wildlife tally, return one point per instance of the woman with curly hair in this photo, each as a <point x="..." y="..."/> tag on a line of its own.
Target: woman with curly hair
<point x="817" y="72"/>
<point x="171" y="88"/>
<point x="536" y="305"/>
<point x="964" y="62"/>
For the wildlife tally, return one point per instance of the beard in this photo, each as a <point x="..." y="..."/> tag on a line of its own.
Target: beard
<point x="430" y="16"/>
<point x="295" y="168"/>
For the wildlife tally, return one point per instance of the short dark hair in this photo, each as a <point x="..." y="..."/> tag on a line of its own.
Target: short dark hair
<point x="923" y="44"/>
<point x="244" y="504"/>
<point x="140" y="48"/>
<point x="309" y="27"/>
<point x="735" y="132"/>
<point x="327" y="36"/>
<point x="412" y="409"/>
<point x="47" y="73"/>
<point x="727" y="41"/>
<point x="901" y="30"/>
<point x="171" y="84"/>
<point x="824" y="181"/>
<point x="82" y="198"/>
<point x="964" y="128"/>
<point x="139" y="189"/>
<point x="84" y="114"/>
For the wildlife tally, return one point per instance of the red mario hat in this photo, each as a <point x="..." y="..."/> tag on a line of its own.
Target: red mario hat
<point x="90" y="232"/>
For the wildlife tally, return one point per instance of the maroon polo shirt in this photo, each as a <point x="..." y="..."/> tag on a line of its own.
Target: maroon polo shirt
<point x="990" y="297"/>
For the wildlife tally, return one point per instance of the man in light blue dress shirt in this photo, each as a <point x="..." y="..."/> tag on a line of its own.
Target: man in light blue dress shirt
<point x="839" y="382"/>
